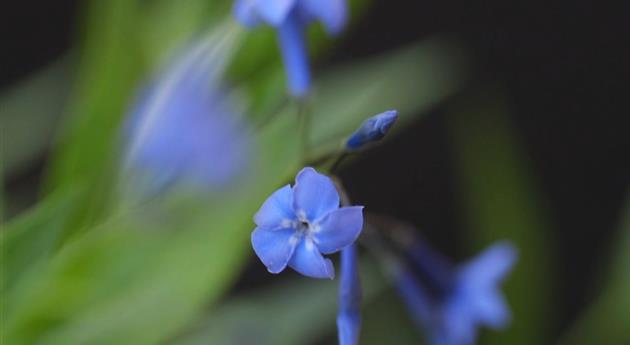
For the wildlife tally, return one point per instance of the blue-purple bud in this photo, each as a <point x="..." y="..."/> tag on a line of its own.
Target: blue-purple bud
<point x="373" y="129"/>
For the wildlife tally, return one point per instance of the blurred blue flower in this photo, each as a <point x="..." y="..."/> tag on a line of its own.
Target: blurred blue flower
<point x="371" y="130"/>
<point x="290" y="18"/>
<point x="349" y="316"/>
<point x="184" y="127"/>
<point x="450" y="303"/>
<point x="296" y="225"/>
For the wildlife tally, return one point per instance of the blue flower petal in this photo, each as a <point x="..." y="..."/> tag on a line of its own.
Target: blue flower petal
<point x="314" y="195"/>
<point x="332" y="13"/>
<point x="275" y="11"/>
<point x="274" y="248"/>
<point x="246" y="13"/>
<point x="478" y="284"/>
<point x="491" y="266"/>
<point x="276" y="210"/>
<point x="308" y="261"/>
<point x="455" y="328"/>
<point x="492" y="309"/>
<point x="338" y="229"/>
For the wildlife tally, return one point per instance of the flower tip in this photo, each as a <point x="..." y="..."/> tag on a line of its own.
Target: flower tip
<point x="491" y="266"/>
<point x="273" y="271"/>
<point x="386" y="120"/>
<point x="307" y="170"/>
<point x="328" y="273"/>
<point x="392" y="114"/>
<point x="506" y="251"/>
<point x="330" y="270"/>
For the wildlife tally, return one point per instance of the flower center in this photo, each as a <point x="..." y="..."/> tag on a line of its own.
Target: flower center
<point x="302" y="226"/>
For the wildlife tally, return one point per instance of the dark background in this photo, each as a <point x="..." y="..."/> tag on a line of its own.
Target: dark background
<point x="560" y="65"/>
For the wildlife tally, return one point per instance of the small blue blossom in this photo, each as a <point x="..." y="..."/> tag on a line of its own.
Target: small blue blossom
<point x="450" y="303"/>
<point x="296" y="225"/>
<point x="349" y="316"/>
<point x="290" y="18"/>
<point x="371" y="130"/>
<point x="184" y="127"/>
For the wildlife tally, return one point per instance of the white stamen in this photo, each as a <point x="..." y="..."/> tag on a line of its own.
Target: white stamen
<point x="286" y="223"/>
<point x="309" y="245"/>
<point x="293" y="240"/>
<point x="302" y="216"/>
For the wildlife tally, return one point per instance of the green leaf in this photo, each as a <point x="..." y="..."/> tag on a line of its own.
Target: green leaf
<point x="386" y="321"/>
<point x="31" y="238"/>
<point x="110" y="73"/>
<point x="298" y="311"/>
<point x="109" y="66"/>
<point x="606" y="320"/>
<point x="28" y="113"/>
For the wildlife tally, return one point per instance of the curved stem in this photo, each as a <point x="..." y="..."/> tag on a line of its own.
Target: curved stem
<point x="335" y="165"/>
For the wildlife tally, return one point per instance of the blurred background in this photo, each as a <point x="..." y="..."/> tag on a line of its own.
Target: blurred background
<point x="530" y="145"/>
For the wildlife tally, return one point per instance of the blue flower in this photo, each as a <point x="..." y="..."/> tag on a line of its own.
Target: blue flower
<point x="349" y="316"/>
<point x="184" y="128"/>
<point x="373" y="129"/>
<point x="450" y="303"/>
<point x="290" y="17"/>
<point x="296" y="225"/>
<point x="332" y="13"/>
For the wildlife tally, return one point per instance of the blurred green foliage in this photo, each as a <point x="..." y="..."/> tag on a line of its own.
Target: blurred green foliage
<point x="284" y="314"/>
<point x="85" y="267"/>
<point x="607" y="320"/>
<point x="20" y="115"/>
<point x="80" y="269"/>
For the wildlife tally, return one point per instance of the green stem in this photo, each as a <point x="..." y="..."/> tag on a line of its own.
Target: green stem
<point x="304" y="122"/>
<point x="337" y="162"/>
